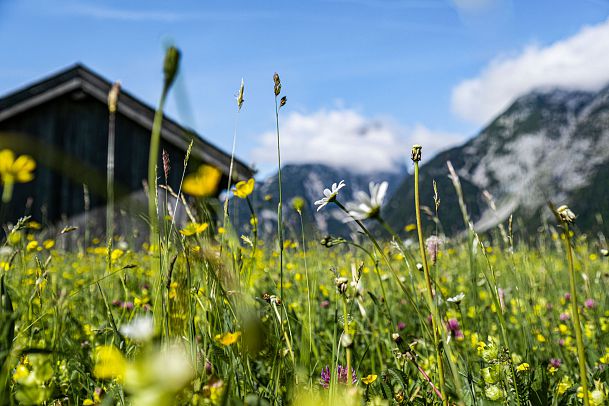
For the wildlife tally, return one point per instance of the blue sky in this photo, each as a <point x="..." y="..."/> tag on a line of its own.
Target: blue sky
<point x="361" y="76"/>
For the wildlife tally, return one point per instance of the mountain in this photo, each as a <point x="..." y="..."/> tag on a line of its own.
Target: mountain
<point x="548" y="145"/>
<point x="308" y="182"/>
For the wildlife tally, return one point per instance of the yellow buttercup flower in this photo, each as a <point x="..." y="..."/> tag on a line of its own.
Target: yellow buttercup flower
<point x="227" y="339"/>
<point x="109" y="363"/>
<point x="18" y="170"/>
<point x="48" y="244"/>
<point x="410" y="227"/>
<point x="204" y="182"/>
<point x="369" y="379"/>
<point x="523" y="367"/>
<point x="21" y="372"/>
<point x="194" y="228"/>
<point x="244" y="188"/>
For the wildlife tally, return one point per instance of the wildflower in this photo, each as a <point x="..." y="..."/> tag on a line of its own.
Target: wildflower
<point x="244" y="188"/>
<point x="341" y="373"/>
<point x="109" y="363"/>
<point x="456" y="299"/>
<point x="116" y="254"/>
<point x="565" y="214"/>
<point x="555" y="362"/>
<point x="368" y="206"/>
<point x="229" y="338"/>
<point x="140" y="329"/>
<point x="564" y="384"/>
<point x="523" y="367"/>
<point x="329" y="195"/>
<point x="325" y="377"/>
<point x="410" y="227"/>
<point x="342" y="284"/>
<point x="16" y="170"/>
<point x="214" y="391"/>
<point x="369" y="379"/>
<point x="21" y="372"/>
<point x="605" y="252"/>
<point x="492" y="374"/>
<point x="589" y="303"/>
<point x="494" y="392"/>
<point x="564" y="316"/>
<point x="597" y="397"/>
<point x="194" y="228"/>
<point x="401" y="325"/>
<point x="433" y="244"/>
<point x="453" y="327"/>
<point x="204" y="182"/>
<point x="298" y="203"/>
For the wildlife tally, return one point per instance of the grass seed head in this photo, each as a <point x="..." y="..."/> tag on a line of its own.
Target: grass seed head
<point x="277" y="84"/>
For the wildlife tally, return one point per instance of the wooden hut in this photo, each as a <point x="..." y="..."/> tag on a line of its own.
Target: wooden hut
<point x="62" y="121"/>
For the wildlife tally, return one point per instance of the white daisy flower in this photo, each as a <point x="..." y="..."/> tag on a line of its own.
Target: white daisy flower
<point x="456" y="299"/>
<point x="368" y="206"/>
<point x="140" y="329"/>
<point x="330" y="195"/>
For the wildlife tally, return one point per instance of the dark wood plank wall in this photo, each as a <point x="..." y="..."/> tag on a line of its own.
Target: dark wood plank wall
<point x="68" y="137"/>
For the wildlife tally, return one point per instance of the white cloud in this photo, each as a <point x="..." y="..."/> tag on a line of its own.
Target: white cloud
<point x="344" y="138"/>
<point x="577" y="62"/>
<point x="433" y="141"/>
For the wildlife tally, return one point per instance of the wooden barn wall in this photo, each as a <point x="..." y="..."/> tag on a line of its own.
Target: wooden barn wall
<point x="68" y="137"/>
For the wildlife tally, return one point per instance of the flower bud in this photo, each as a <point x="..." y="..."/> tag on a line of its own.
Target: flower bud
<point x="565" y="214"/>
<point x="416" y="153"/>
<point x="283" y="101"/>
<point x="170" y="66"/>
<point x="113" y="97"/>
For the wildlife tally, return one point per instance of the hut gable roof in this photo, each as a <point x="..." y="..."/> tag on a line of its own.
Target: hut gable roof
<point x="80" y="77"/>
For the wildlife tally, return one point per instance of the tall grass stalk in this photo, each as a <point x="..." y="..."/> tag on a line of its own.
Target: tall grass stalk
<point x="170" y="68"/>
<point x="232" y="159"/>
<point x="112" y="107"/>
<point x="277" y="90"/>
<point x="306" y="354"/>
<point x="581" y="353"/>
<point x="491" y="282"/>
<point x="435" y="320"/>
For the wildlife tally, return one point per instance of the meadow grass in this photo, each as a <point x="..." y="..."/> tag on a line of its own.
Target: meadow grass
<point x="208" y="313"/>
<point x="238" y="345"/>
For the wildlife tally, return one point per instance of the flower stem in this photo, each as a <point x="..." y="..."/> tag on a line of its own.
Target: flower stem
<point x="434" y="310"/>
<point x="581" y="354"/>
<point x="155" y="140"/>
<point x="348" y="349"/>
<point x="280" y="205"/>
